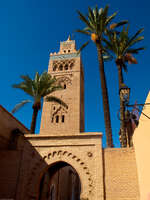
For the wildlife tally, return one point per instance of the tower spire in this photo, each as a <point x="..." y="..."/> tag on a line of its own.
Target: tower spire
<point x="69" y="38"/>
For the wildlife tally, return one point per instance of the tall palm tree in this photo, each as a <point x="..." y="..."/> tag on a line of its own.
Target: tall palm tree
<point x="38" y="88"/>
<point x="120" y="45"/>
<point x="97" y="22"/>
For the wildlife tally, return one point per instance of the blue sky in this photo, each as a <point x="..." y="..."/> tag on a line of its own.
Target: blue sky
<point x="31" y="29"/>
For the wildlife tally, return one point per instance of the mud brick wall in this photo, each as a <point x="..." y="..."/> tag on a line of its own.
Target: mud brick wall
<point x="120" y="174"/>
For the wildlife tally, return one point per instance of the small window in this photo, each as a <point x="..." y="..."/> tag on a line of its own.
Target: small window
<point x="71" y="65"/>
<point x="66" y="67"/>
<point x="60" y="67"/>
<point x="54" y="68"/>
<point x="64" y="86"/>
<point x="54" y="108"/>
<point x="57" y="119"/>
<point x="68" y="51"/>
<point x="63" y="119"/>
<point x="64" y="51"/>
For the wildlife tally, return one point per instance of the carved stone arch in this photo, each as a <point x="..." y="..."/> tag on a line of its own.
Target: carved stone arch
<point x="59" y="111"/>
<point x="55" y="67"/>
<point x="60" y="156"/>
<point x="66" y="67"/>
<point x="61" y="67"/>
<point x="64" y="79"/>
<point x="71" y="66"/>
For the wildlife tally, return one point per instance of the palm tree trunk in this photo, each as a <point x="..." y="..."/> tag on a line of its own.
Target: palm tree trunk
<point x="122" y="111"/>
<point x="105" y="97"/>
<point x="34" y="117"/>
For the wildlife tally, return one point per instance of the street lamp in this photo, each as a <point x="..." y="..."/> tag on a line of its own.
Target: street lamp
<point x="128" y="117"/>
<point x="124" y="93"/>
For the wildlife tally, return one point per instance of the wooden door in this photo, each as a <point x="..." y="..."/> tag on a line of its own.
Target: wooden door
<point x="60" y="182"/>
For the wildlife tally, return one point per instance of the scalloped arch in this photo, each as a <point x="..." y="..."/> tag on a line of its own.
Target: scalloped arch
<point x="50" y="158"/>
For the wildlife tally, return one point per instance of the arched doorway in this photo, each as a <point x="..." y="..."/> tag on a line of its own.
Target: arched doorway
<point x="60" y="182"/>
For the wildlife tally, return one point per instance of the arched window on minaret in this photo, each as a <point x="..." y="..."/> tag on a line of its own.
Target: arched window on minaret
<point x="63" y="118"/>
<point x="57" y="118"/>
<point x="66" y="67"/>
<point x="71" y="66"/>
<point x="60" y="67"/>
<point x="55" y="67"/>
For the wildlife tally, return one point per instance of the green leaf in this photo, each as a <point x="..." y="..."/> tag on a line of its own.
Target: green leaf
<point x="83" y="31"/>
<point x="100" y="11"/>
<point x="19" y="105"/>
<point x="120" y="23"/>
<point x="135" y="51"/>
<point x="105" y="12"/>
<point x="110" y="18"/>
<point x="83" y="46"/>
<point x="109" y="44"/>
<point x="136" y="34"/>
<point x="51" y="90"/>
<point x="91" y="16"/>
<point x="136" y="40"/>
<point x="83" y="18"/>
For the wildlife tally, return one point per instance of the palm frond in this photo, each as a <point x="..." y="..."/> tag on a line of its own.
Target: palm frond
<point x="26" y="78"/>
<point x="56" y="100"/>
<point x="135" y="51"/>
<point x="116" y="25"/>
<point x="105" y="11"/>
<point x="136" y="34"/>
<point x="37" y="77"/>
<point x="83" y="31"/>
<point x="108" y="44"/>
<point x="100" y="11"/>
<point x="19" y="105"/>
<point x="106" y="54"/>
<point x="51" y="90"/>
<point x="83" y="18"/>
<point x="91" y="16"/>
<point x="136" y="40"/>
<point x="107" y="57"/>
<point x="110" y="18"/>
<point x="130" y="59"/>
<point x="83" y="46"/>
<point x="27" y="88"/>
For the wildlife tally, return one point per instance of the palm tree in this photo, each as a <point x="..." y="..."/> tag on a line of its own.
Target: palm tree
<point x="120" y="45"/>
<point x="97" y="23"/>
<point x="38" y="88"/>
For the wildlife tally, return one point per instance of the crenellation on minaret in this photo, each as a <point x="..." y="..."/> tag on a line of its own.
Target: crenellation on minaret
<point x="66" y="47"/>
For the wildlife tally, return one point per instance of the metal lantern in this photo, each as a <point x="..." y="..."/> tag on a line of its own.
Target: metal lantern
<point x="124" y="93"/>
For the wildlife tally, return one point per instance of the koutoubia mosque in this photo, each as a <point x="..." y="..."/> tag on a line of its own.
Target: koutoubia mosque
<point x="63" y="162"/>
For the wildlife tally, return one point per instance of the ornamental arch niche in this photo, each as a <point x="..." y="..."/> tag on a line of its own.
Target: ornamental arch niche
<point x="60" y="159"/>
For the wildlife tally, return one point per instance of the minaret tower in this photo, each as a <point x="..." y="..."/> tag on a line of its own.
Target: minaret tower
<point x="66" y="66"/>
